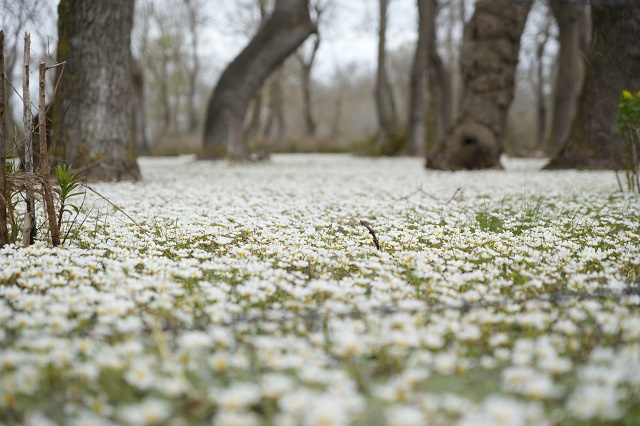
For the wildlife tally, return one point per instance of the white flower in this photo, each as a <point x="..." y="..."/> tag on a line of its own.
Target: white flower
<point x="140" y="374"/>
<point x="235" y="418"/>
<point x="240" y="396"/>
<point x="593" y="401"/>
<point x="148" y="412"/>
<point x="326" y="410"/>
<point x="404" y="415"/>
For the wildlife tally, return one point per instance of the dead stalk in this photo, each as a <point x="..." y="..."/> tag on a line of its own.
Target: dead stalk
<point x="47" y="188"/>
<point x="4" y="232"/>
<point x="28" y="229"/>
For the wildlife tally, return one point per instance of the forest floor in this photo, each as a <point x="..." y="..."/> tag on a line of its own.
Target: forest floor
<point x="256" y="296"/>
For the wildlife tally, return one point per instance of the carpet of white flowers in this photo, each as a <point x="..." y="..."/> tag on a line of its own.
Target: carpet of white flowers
<point x="257" y="297"/>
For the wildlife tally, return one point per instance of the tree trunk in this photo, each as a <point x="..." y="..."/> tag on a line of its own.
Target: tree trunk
<point x="282" y="33"/>
<point x="253" y="123"/>
<point x="440" y="95"/>
<point x="306" y="64"/>
<point x="488" y="61"/>
<point x="93" y="106"/>
<point x="573" y="37"/>
<point x="613" y="65"/>
<point x="192" y="111"/>
<point x="417" y="131"/>
<point x="541" y="101"/>
<point x="385" y="105"/>
<point x="275" y="125"/>
<point x="139" y="110"/>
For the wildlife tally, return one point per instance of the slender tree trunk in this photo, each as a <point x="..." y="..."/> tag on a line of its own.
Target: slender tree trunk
<point x="92" y="110"/>
<point x="192" y="113"/>
<point x="573" y="37"/>
<point x="541" y="101"/>
<point x="613" y="65"/>
<point x="417" y="132"/>
<point x="253" y="124"/>
<point x="139" y="110"/>
<point x="306" y="64"/>
<point x="440" y="94"/>
<point x="275" y="125"/>
<point x="385" y="104"/>
<point x="4" y="230"/>
<point x="283" y="32"/>
<point x="488" y="60"/>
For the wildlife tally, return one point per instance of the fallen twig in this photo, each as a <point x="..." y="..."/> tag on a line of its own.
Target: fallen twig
<point x="372" y="232"/>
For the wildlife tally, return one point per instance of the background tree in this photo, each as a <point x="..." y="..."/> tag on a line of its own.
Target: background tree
<point x="488" y="61"/>
<point x="284" y="31"/>
<point x="306" y="61"/>
<point x="385" y="104"/>
<point x="440" y="90"/>
<point x="417" y="126"/>
<point x="16" y="17"/>
<point x="573" y="37"/>
<point x="92" y="110"/>
<point x="613" y="65"/>
<point x="539" y="78"/>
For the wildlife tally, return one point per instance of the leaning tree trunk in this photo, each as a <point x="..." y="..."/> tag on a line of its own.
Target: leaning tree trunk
<point x="573" y="38"/>
<point x="93" y="106"/>
<point x="613" y="65"/>
<point x="385" y="105"/>
<point x="488" y="60"/>
<point x="282" y="33"/>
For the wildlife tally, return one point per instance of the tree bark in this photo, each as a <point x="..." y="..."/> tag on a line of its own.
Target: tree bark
<point x="283" y="32"/>
<point x="385" y="104"/>
<point x="573" y="37"/>
<point x="93" y="106"/>
<point x="488" y="60"/>
<point x="613" y="65"/>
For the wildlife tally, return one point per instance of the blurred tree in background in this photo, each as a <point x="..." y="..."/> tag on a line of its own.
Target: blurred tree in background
<point x="406" y="95"/>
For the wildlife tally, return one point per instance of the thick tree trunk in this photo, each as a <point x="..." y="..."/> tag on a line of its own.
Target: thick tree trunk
<point x="573" y="38"/>
<point x="93" y="106"/>
<point x="488" y="60"/>
<point x="283" y="32"/>
<point x="385" y="104"/>
<point x="613" y="65"/>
